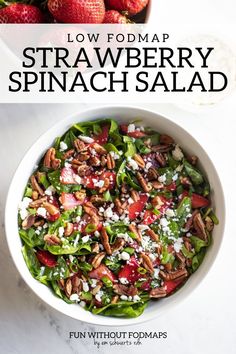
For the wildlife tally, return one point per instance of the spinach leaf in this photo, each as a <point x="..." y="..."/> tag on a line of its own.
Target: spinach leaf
<point x="31" y="260"/>
<point x="58" y="291"/>
<point x="183" y="210"/>
<point x="198" y="243"/>
<point x="123" y="309"/>
<point x="193" y="173"/>
<point x="197" y="260"/>
<point x="31" y="238"/>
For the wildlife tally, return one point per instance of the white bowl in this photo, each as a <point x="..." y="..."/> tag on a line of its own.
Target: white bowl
<point x="122" y="114"/>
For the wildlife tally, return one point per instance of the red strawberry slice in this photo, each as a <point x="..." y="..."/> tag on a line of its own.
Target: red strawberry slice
<point x="171" y="285"/>
<point x="150" y="217"/>
<point x="136" y="207"/>
<point x="102" y="271"/>
<point x="103" y="136"/>
<point x="68" y="176"/>
<point x="131" y="6"/>
<point x="20" y="13"/>
<point x="197" y="200"/>
<point x="171" y="187"/>
<point x="136" y="134"/>
<point x="77" y="11"/>
<point x="146" y="286"/>
<point x="130" y="271"/>
<point x="69" y="201"/>
<point x="46" y="258"/>
<point x="91" y="181"/>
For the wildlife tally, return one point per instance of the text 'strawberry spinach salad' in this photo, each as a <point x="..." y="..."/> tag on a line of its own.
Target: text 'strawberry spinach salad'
<point x="115" y="215"/>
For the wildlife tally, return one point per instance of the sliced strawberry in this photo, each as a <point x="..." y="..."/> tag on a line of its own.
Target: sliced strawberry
<point x="67" y="176"/>
<point x="146" y="286"/>
<point x="130" y="271"/>
<point x="100" y="272"/>
<point x="150" y="217"/>
<point x="103" y="136"/>
<point x="171" y="285"/>
<point x="69" y="201"/>
<point x="136" y="134"/>
<point x="171" y="187"/>
<point x="136" y="207"/>
<point x="46" y="258"/>
<point x="92" y="180"/>
<point x="197" y="200"/>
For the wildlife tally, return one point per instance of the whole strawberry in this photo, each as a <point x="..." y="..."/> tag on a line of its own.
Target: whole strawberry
<point x="131" y="6"/>
<point x="113" y="16"/>
<point x="20" y="13"/>
<point x="77" y="11"/>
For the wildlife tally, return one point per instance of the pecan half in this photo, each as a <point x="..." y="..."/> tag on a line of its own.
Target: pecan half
<point x="118" y="245"/>
<point x="152" y="174"/>
<point x="97" y="199"/>
<point x="115" y="299"/>
<point x="161" y="159"/>
<point x="76" y="284"/>
<point x="105" y="186"/>
<point x="90" y="209"/>
<point x="80" y="145"/>
<point x="121" y="289"/>
<point x="135" y="231"/>
<point x="94" y="161"/>
<point x="68" y="154"/>
<point x="192" y="159"/>
<point x="139" y="160"/>
<point x="147" y="187"/>
<point x="36" y="187"/>
<point x="161" y="148"/>
<point x="105" y="241"/>
<point x="83" y="156"/>
<point x="189" y="222"/>
<point x="118" y="206"/>
<point x="200" y="227"/>
<point x="166" y="139"/>
<point x="152" y="235"/>
<point x="68" y="287"/>
<point x="52" y="240"/>
<point x="28" y="222"/>
<point x="99" y="149"/>
<point x="68" y="229"/>
<point x="134" y="195"/>
<point x="110" y="162"/>
<point x="51" y="209"/>
<point x="97" y="260"/>
<point x="180" y="257"/>
<point x="35" y="195"/>
<point x="175" y="275"/>
<point x="50" y="160"/>
<point x="103" y="161"/>
<point x="96" y="289"/>
<point x="95" y="248"/>
<point x="83" y="170"/>
<point x="157" y="202"/>
<point x="80" y="195"/>
<point x="157" y="185"/>
<point x="147" y="263"/>
<point x="209" y="224"/>
<point x="157" y="293"/>
<point x="37" y="203"/>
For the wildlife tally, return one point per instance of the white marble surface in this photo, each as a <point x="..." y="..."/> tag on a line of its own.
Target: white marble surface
<point x="205" y="323"/>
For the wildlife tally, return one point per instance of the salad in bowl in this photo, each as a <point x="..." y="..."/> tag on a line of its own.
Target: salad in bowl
<point x="115" y="215"/>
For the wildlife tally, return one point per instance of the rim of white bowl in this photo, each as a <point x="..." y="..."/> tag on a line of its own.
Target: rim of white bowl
<point x="105" y="111"/>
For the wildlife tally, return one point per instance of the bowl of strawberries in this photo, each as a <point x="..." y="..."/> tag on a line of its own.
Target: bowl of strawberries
<point x="75" y="11"/>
